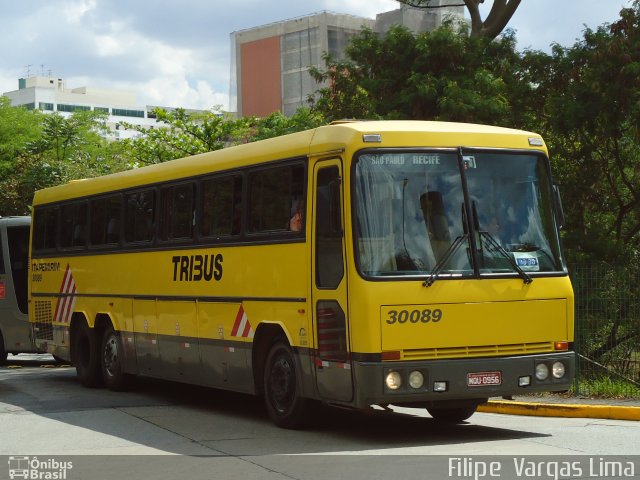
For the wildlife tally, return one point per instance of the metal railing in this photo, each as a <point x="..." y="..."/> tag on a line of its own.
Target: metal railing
<point x="607" y="309"/>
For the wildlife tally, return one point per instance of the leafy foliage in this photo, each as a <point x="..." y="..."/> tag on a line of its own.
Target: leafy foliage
<point x="590" y="118"/>
<point x="439" y="75"/>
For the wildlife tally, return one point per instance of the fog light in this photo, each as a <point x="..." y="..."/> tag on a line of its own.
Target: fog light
<point x="416" y="379"/>
<point x="393" y="380"/>
<point x="439" y="386"/>
<point x="542" y="371"/>
<point x="524" y="381"/>
<point x="557" y="370"/>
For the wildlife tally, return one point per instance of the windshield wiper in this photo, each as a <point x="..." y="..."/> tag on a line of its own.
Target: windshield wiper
<point x="496" y="247"/>
<point x="453" y="248"/>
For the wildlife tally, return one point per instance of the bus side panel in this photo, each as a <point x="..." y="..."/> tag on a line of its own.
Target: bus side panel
<point x="177" y="342"/>
<point x="224" y="358"/>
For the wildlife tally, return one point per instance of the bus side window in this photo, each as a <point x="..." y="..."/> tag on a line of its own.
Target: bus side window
<point x="74" y="225"/>
<point x="105" y="220"/>
<point x="273" y="194"/>
<point x="45" y="228"/>
<point x="1" y="259"/>
<point x="18" y="243"/>
<point x="329" y="261"/>
<point x="221" y="205"/>
<point x="139" y="216"/>
<point x="177" y="208"/>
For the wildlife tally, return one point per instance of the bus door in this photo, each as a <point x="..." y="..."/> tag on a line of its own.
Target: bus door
<point x="329" y="292"/>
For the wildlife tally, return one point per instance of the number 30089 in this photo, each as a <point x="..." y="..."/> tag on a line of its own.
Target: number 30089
<point x="414" y="316"/>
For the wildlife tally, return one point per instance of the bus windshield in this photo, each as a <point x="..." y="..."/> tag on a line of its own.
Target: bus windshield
<point x="411" y="214"/>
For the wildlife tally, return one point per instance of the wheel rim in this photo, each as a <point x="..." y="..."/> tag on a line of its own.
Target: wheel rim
<point x="282" y="383"/>
<point x="111" y="358"/>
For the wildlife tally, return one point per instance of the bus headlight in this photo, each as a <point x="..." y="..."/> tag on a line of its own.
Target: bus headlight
<point x="393" y="380"/>
<point x="416" y="379"/>
<point x="542" y="371"/>
<point x="557" y="370"/>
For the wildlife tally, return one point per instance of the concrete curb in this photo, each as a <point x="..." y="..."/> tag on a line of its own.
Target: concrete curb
<point x="611" y="412"/>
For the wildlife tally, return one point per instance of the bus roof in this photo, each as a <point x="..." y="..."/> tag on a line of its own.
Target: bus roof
<point x="343" y="135"/>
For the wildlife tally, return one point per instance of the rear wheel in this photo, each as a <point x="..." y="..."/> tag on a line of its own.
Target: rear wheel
<point x="85" y="356"/>
<point x="285" y="405"/>
<point x="111" y="361"/>
<point x="452" y="415"/>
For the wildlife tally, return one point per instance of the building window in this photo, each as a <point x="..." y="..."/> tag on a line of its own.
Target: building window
<point x="46" y="106"/>
<point x="62" y="107"/>
<point x="101" y="109"/>
<point x="123" y="112"/>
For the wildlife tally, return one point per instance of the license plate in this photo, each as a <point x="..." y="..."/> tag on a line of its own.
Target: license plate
<point x="484" y="379"/>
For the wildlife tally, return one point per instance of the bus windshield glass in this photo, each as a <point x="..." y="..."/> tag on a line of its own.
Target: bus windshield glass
<point x="411" y="214"/>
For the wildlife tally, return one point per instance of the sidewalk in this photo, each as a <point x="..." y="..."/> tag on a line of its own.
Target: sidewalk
<point x="555" y="405"/>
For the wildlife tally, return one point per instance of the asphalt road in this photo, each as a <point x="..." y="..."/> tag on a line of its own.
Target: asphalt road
<point x="204" y="433"/>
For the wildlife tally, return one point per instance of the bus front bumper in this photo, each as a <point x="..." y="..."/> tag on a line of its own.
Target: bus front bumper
<point x="396" y="382"/>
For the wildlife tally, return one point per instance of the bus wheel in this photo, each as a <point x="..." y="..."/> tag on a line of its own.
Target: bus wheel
<point x="286" y="407"/>
<point x="85" y="356"/>
<point x="111" y="357"/>
<point x="452" y="415"/>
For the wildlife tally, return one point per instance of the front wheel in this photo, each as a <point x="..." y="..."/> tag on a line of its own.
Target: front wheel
<point x="285" y="405"/>
<point x="111" y="361"/>
<point x="452" y="415"/>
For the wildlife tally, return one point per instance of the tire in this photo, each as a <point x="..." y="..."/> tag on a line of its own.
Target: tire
<point x="285" y="405"/>
<point x="452" y="415"/>
<point x="111" y="361"/>
<point x="85" y="356"/>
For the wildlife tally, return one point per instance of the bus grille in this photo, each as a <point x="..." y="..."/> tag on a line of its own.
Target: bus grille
<point x="478" y="351"/>
<point x="44" y="319"/>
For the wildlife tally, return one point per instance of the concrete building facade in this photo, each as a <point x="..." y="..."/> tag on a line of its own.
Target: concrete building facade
<point x="271" y="63"/>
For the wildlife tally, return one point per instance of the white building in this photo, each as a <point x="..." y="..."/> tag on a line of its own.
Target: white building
<point x="51" y="95"/>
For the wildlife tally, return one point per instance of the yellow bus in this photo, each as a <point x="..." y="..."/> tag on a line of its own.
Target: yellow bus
<point x="356" y="264"/>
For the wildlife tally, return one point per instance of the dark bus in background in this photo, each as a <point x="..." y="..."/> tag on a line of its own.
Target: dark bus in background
<point x="15" y="336"/>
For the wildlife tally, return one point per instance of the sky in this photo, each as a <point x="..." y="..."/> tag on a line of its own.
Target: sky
<point x="177" y="53"/>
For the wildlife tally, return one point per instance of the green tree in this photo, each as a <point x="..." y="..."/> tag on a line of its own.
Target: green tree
<point x="18" y="128"/>
<point x="54" y="150"/>
<point x="590" y="118"/>
<point x="278" y="124"/>
<point x="438" y="75"/>
<point x="181" y="134"/>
